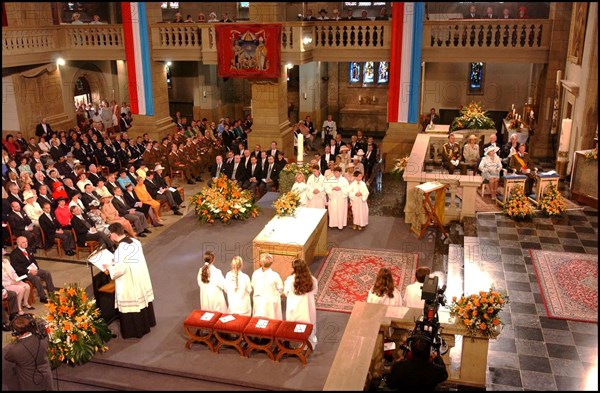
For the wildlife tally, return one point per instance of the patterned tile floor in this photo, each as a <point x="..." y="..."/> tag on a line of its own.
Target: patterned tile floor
<point x="535" y="352"/>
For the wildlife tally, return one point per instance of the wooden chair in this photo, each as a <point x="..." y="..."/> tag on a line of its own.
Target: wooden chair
<point x="57" y="243"/>
<point x="90" y="245"/>
<point x="177" y="173"/>
<point x="200" y="330"/>
<point x="11" y="237"/>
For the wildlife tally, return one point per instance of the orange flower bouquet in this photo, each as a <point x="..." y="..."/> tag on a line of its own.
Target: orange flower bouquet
<point x="286" y="204"/>
<point x="480" y="313"/>
<point x="224" y="201"/>
<point x="75" y="329"/>
<point x="553" y="203"/>
<point x="517" y="206"/>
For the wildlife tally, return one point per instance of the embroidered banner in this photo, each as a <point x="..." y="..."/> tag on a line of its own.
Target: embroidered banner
<point x="249" y="50"/>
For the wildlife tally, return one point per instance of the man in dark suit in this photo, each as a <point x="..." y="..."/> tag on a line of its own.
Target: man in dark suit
<point x="369" y="160"/>
<point x="21" y="260"/>
<point x="273" y="152"/>
<point x="325" y="158"/>
<point x="93" y="174"/>
<point x="253" y="175"/>
<point x="490" y="14"/>
<point x="256" y="152"/>
<point x="136" y="218"/>
<point x="35" y="159"/>
<point x="21" y="225"/>
<point x="111" y="183"/>
<point x="472" y="13"/>
<point x="270" y="176"/>
<point x="161" y="182"/>
<point x="160" y="193"/>
<point x="216" y="170"/>
<point x="52" y="229"/>
<point x="45" y="197"/>
<point x="89" y="196"/>
<point x="14" y="195"/>
<point x="85" y="230"/>
<point x="43" y="129"/>
<point x="238" y="172"/>
<point x="69" y="188"/>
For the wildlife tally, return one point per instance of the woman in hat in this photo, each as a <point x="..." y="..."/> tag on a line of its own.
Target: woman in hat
<point x="112" y="215"/>
<point x="357" y="160"/>
<point x="323" y="14"/>
<point x="358" y="194"/>
<point x="338" y="162"/>
<point x="32" y="208"/>
<point x="58" y="191"/>
<point x="349" y="174"/>
<point x="471" y="153"/>
<point x="62" y="213"/>
<point x="490" y="167"/>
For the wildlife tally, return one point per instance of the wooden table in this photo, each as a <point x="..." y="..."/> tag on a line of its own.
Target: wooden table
<point x="286" y="238"/>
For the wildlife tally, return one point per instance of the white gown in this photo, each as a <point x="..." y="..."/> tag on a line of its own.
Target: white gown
<point x="239" y="299"/>
<point x="300" y="189"/>
<point x="338" y="202"/>
<point x="312" y="199"/>
<point x="267" y="286"/>
<point x="412" y="295"/>
<point x="360" y="208"/>
<point x="212" y="297"/>
<point x="301" y="308"/>
<point x="395" y="301"/>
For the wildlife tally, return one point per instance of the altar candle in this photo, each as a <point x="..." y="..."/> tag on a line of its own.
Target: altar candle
<point x="359" y="98"/>
<point x="565" y="135"/>
<point x="512" y="107"/>
<point x="558" y="76"/>
<point x="514" y="111"/>
<point x="531" y="114"/>
<point x="300" y="156"/>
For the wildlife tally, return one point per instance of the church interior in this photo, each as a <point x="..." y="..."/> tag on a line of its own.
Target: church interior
<point x="409" y="78"/>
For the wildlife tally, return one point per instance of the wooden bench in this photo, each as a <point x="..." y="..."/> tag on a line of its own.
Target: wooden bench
<point x="257" y="331"/>
<point x="200" y="330"/>
<point x="231" y="332"/>
<point x="298" y="341"/>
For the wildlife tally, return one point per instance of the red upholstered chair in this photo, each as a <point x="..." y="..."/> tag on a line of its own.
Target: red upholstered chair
<point x="200" y="330"/>
<point x="286" y="332"/>
<point x="253" y="334"/>
<point x="230" y="333"/>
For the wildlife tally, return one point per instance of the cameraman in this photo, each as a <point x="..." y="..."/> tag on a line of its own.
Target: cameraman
<point x="417" y="371"/>
<point x="30" y="355"/>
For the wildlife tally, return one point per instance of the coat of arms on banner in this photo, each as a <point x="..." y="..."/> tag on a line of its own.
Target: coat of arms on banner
<point x="249" y="51"/>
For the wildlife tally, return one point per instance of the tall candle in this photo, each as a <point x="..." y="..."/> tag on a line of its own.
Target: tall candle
<point x="512" y="107"/>
<point x="300" y="156"/>
<point x="565" y="135"/>
<point x="558" y="76"/>
<point x="531" y="114"/>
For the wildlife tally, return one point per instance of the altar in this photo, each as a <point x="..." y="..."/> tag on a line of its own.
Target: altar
<point x="522" y="133"/>
<point x="286" y="238"/>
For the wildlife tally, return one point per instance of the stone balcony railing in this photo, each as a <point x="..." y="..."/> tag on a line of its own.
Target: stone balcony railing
<point x="301" y="42"/>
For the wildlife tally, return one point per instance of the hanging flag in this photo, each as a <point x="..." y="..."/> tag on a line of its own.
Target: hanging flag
<point x="137" y="55"/>
<point x="405" y="62"/>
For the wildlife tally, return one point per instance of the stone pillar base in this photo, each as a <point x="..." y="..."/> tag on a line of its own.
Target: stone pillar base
<point x="157" y="128"/>
<point x="61" y="121"/>
<point x="397" y="143"/>
<point x="283" y="136"/>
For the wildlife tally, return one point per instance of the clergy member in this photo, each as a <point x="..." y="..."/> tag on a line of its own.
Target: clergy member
<point x="337" y="191"/>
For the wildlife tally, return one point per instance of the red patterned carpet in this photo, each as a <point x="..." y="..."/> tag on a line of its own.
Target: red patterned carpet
<point x="347" y="275"/>
<point x="569" y="284"/>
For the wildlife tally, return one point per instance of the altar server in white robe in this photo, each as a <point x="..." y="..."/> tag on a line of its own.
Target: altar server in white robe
<point x="268" y="287"/>
<point x="300" y="289"/>
<point x="133" y="288"/>
<point x="238" y="288"/>
<point x="384" y="290"/>
<point x="212" y="285"/>
<point x="358" y="194"/>
<point x="315" y="191"/>
<point x="337" y="191"/>
<point x="414" y="291"/>
<point x="300" y="188"/>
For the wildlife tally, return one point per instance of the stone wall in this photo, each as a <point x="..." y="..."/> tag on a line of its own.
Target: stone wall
<point x="28" y="14"/>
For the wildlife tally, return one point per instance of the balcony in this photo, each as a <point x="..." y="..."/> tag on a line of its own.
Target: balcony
<point x="525" y="41"/>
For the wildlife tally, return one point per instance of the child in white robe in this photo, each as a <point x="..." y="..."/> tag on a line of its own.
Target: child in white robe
<point x="315" y="192"/>
<point x="238" y="288"/>
<point x="358" y="193"/>
<point x="268" y="287"/>
<point x="337" y="192"/>
<point x="300" y="188"/>
<point x="300" y="289"/>
<point x="384" y="290"/>
<point x="212" y="284"/>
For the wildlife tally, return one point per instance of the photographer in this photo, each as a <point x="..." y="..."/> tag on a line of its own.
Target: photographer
<point x="418" y="371"/>
<point x="30" y="355"/>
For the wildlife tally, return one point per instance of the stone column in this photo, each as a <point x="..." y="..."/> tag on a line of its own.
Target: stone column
<point x="161" y="123"/>
<point x="269" y="96"/>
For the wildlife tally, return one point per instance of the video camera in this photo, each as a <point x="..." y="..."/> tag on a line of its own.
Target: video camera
<point x="428" y="326"/>
<point x="34" y="325"/>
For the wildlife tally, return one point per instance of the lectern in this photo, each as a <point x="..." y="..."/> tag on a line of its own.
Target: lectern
<point x="434" y="216"/>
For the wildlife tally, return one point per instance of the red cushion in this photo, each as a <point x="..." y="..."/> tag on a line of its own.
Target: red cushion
<point x="194" y="319"/>
<point x="235" y="326"/>
<point x="268" y="331"/>
<point x="286" y="331"/>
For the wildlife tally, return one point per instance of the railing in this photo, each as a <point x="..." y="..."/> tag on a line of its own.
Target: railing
<point x="27" y="40"/>
<point x="175" y="36"/>
<point x="514" y="33"/>
<point x="352" y="35"/>
<point x="93" y="36"/>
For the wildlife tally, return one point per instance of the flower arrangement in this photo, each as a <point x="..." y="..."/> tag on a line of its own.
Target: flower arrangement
<point x="286" y="204"/>
<point x="517" y="206"/>
<point x="287" y="176"/>
<point x="480" y="312"/>
<point x="224" y="201"/>
<point x="75" y="329"/>
<point x="400" y="166"/>
<point x="592" y="154"/>
<point x="472" y="118"/>
<point x="553" y="203"/>
<point x="515" y="124"/>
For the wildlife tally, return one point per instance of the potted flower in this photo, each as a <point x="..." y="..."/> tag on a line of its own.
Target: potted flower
<point x="399" y="167"/>
<point x="480" y="313"/>
<point x="472" y="117"/>
<point x="553" y="203"/>
<point x="287" y="204"/>
<point x="517" y="206"/>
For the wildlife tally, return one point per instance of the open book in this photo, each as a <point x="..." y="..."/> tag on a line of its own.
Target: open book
<point x="101" y="259"/>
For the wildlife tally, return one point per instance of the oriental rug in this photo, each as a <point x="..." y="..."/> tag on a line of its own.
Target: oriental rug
<point x="347" y="275"/>
<point x="568" y="283"/>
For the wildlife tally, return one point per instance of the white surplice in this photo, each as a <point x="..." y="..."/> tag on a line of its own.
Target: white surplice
<point x="238" y="298"/>
<point x="212" y="297"/>
<point x="360" y="208"/>
<point x="412" y="295"/>
<point x="267" y="286"/>
<point x="315" y="200"/>
<point x="338" y="201"/>
<point x="301" y="308"/>
<point x="385" y="299"/>
<point x="300" y="189"/>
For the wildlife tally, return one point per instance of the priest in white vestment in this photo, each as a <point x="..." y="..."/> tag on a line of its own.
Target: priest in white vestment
<point x="268" y="287"/>
<point x="212" y="286"/>
<point x="300" y="188"/>
<point x="300" y="289"/>
<point x="337" y="191"/>
<point x="133" y="288"/>
<point x="315" y="191"/>
<point x="358" y="194"/>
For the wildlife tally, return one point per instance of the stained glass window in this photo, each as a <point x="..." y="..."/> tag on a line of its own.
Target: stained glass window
<point x="369" y="76"/>
<point x="354" y="72"/>
<point x="383" y="73"/>
<point x="476" y="78"/>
